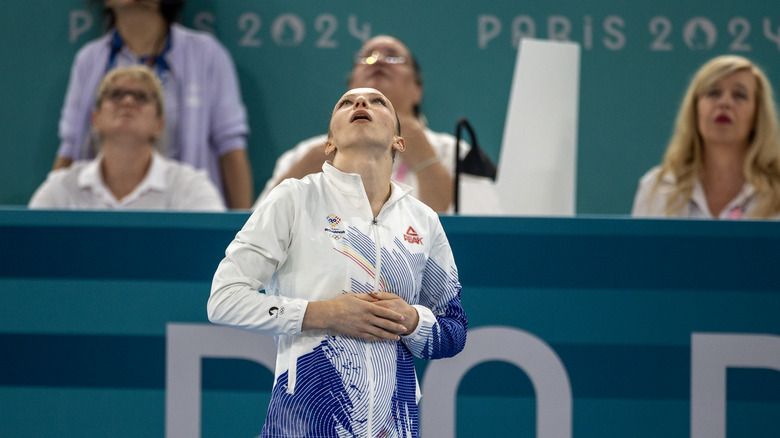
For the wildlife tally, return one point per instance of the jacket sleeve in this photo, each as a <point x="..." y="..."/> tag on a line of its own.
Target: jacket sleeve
<point x="441" y="330"/>
<point x="250" y="262"/>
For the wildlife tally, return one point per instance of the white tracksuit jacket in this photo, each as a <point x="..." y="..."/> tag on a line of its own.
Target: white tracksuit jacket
<point x="316" y="238"/>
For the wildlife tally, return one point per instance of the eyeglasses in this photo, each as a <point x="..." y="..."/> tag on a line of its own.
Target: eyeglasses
<point x="375" y="56"/>
<point x="141" y="97"/>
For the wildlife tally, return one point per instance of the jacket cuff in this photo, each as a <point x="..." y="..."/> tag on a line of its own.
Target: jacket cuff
<point x="426" y="319"/>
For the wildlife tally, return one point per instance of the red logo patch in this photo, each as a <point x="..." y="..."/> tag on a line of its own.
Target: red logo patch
<point x="411" y="236"/>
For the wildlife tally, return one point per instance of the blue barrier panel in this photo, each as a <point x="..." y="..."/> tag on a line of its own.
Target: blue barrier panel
<point x="86" y="298"/>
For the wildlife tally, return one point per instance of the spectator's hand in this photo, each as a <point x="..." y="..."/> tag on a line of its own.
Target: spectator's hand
<point x="417" y="146"/>
<point x="358" y="315"/>
<point x="434" y="182"/>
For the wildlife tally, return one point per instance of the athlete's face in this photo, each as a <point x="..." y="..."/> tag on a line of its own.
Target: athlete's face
<point x="363" y="116"/>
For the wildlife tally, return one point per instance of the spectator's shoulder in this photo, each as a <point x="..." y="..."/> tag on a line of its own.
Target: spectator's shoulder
<point x="68" y="174"/>
<point x="94" y="48"/>
<point x="197" y="38"/>
<point x="182" y="173"/>
<point x="651" y="176"/>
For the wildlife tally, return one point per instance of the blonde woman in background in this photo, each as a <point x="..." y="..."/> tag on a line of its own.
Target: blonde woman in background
<point x="723" y="161"/>
<point x="128" y="172"/>
<point x="205" y="118"/>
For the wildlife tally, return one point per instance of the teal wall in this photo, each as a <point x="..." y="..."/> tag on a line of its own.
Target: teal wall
<point x="293" y="56"/>
<point x="85" y="298"/>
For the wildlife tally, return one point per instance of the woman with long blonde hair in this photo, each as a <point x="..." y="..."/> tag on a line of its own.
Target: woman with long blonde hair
<point x="723" y="160"/>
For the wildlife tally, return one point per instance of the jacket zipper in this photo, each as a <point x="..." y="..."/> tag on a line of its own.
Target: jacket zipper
<point x="369" y="357"/>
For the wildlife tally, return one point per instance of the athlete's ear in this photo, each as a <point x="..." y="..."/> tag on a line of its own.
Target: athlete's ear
<point x="329" y="147"/>
<point x="399" y="143"/>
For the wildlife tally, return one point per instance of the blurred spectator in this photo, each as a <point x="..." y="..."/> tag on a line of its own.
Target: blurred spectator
<point x="428" y="164"/>
<point x="723" y="160"/>
<point x="128" y="173"/>
<point x="206" y="122"/>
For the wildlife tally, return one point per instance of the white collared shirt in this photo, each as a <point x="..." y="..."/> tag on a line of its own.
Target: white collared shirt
<point x="168" y="185"/>
<point x="652" y="204"/>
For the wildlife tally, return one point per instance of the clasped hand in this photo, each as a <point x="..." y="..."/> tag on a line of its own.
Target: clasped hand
<point x="376" y="316"/>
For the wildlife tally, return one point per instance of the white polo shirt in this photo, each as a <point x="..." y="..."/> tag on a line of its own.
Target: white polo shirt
<point x="168" y="185"/>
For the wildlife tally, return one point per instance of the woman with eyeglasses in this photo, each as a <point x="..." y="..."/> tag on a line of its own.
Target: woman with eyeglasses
<point x="128" y="173"/>
<point x="428" y="165"/>
<point x="723" y="161"/>
<point x="206" y="122"/>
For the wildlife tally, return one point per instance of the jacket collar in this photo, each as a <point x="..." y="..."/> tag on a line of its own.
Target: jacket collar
<point x="351" y="186"/>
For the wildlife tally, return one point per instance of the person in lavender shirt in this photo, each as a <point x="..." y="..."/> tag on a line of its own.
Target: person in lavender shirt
<point x="206" y="122"/>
